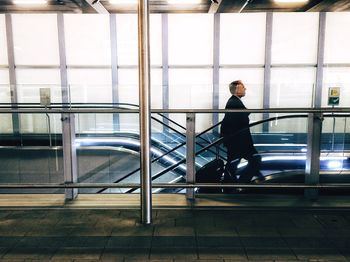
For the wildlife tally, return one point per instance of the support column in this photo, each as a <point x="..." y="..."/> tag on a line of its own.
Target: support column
<point x="190" y="153"/>
<point x="145" y="112"/>
<point x="320" y="60"/>
<point x="216" y="68"/>
<point x="165" y="67"/>
<point x="12" y="73"/>
<point x="114" y="67"/>
<point x="68" y="120"/>
<point x="312" y="167"/>
<point x="267" y="68"/>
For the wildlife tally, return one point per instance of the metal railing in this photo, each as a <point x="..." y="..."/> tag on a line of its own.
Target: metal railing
<point x="312" y="170"/>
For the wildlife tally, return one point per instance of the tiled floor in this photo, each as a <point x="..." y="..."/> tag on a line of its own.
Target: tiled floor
<point x="175" y="235"/>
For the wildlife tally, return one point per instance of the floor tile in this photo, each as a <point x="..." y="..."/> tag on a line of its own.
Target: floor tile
<point x="32" y="253"/>
<point x="270" y="253"/>
<point x="118" y="254"/>
<point x="129" y="242"/>
<point x="78" y="253"/>
<point x="215" y="241"/>
<point x="222" y="253"/>
<point x="324" y="254"/>
<point x="173" y="253"/>
<point x="176" y="241"/>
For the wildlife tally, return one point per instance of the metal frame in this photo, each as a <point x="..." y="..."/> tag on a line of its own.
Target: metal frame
<point x="165" y="65"/>
<point x="12" y="71"/>
<point x="70" y="170"/>
<point x="216" y="66"/>
<point x="114" y="67"/>
<point x="267" y="68"/>
<point x="145" y="113"/>
<point x="320" y="60"/>
<point x="190" y="153"/>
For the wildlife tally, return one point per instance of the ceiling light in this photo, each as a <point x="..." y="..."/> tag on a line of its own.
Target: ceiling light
<point x="30" y="2"/>
<point x="184" y="2"/>
<point x="123" y="2"/>
<point x="291" y="1"/>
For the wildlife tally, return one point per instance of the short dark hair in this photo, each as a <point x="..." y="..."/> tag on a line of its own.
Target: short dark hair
<point x="234" y="85"/>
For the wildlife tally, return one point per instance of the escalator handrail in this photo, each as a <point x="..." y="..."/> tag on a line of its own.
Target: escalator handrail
<point x="218" y="141"/>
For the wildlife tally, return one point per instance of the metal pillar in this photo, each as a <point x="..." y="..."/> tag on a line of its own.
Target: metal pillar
<point x="145" y="112"/>
<point x="165" y="67"/>
<point x="312" y="167"/>
<point x="216" y="67"/>
<point x="267" y="68"/>
<point x="320" y="60"/>
<point x="68" y="123"/>
<point x="190" y="153"/>
<point x="114" y="69"/>
<point x="12" y="72"/>
<point x="69" y="155"/>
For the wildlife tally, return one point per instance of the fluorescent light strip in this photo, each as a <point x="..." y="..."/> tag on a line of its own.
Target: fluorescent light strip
<point x="30" y="2"/>
<point x="291" y="1"/>
<point x="184" y="2"/>
<point x="123" y="2"/>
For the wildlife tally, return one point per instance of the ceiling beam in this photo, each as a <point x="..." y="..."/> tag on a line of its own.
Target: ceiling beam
<point x="96" y="4"/>
<point x="214" y="7"/>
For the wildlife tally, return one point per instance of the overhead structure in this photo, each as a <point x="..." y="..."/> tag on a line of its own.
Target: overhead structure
<point x="175" y="6"/>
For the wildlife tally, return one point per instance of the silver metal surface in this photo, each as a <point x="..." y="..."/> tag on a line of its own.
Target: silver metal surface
<point x="165" y="66"/>
<point x="79" y="110"/>
<point x="114" y="67"/>
<point x="145" y="111"/>
<point x="165" y="185"/>
<point x="320" y="59"/>
<point x="216" y="66"/>
<point x="69" y="154"/>
<point x="312" y="165"/>
<point x="267" y="69"/>
<point x="190" y="153"/>
<point x="12" y="71"/>
<point x="63" y="61"/>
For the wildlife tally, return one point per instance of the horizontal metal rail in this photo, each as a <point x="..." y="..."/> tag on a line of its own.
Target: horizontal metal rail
<point x="180" y="185"/>
<point x="80" y="110"/>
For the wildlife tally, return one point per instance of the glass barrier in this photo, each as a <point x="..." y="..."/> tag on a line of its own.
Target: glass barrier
<point x="106" y="154"/>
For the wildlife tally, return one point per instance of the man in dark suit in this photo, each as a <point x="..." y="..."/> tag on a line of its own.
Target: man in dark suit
<point x="238" y="139"/>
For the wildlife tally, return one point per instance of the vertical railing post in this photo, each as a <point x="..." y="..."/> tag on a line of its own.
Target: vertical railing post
<point x="312" y="167"/>
<point x="69" y="155"/>
<point x="145" y="111"/>
<point x="190" y="153"/>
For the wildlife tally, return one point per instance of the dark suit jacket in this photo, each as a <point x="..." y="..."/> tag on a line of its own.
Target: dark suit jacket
<point x="235" y="129"/>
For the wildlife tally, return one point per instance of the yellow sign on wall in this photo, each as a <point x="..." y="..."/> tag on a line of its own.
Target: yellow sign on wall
<point x="333" y="96"/>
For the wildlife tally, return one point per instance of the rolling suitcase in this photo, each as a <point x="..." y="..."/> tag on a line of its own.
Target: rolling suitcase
<point x="210" y="173"/>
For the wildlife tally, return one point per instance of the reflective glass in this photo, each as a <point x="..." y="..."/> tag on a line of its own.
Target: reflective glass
<point x="35" y="39"/>
<point x="294" y="42"/>
<point x="337" y="38"/>
<point x="90" y="31"/>
<point x="242" y="38"/>
<point x="3" y="43"/>
<point x="191" y="89"/>
<point x="190" y="39"/>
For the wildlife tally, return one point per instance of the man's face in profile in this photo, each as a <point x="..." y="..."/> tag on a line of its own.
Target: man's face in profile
<point x="240" y="90"/>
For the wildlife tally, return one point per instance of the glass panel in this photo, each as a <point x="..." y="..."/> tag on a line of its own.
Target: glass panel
<point x="191" y="88"/>
<point x="292" y="87"/>
<point x="242" y="38"/>
<point x="197" y="29"/>
<point x="35" y="39"/>
<point x="337" y="38"/>
<point x="334" y="160"/>
<point x="295" y="42"/>
<point x="29" y="82"/>
<point x="3" y="43"/>
<point x="90" y="31"/>
<point x="5" y="97"/>
<point x="127" y="39"/>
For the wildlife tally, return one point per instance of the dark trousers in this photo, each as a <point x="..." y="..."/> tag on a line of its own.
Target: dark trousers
<point x="252" y="168"/>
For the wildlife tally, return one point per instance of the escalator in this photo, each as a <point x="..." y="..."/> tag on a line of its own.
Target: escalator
<point x="114" y="158"/>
